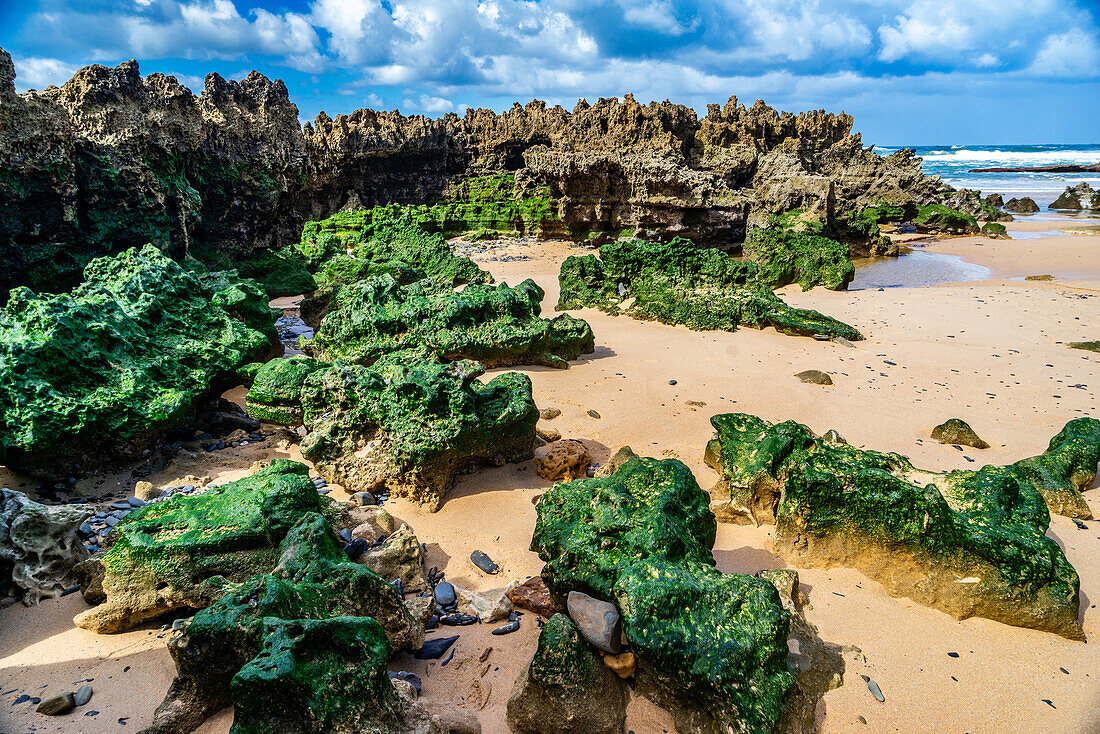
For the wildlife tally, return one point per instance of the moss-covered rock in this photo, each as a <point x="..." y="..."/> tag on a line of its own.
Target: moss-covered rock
<point x="275" y="392"/>
<point x="566" y="688"/>
<point x="679" y="283"/>
<point x="712" y="647"/>
<point x="940" y="218"/>
<point x="784" y="256"/>
<point x="971" y="543"/>
<point x="1086" y="346"/>
<point x="1023" y="205"/>
<point x="302" y="648"/>
<point x="95" y="376"/>
<point x="410" y="424"/>
<point x="995" y="230"/>
<point x="495" y="325"/>
<point x="181" y="552"/>
<point x="282" y="272"/>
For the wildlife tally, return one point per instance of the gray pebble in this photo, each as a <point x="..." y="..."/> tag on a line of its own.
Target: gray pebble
<point x="82" y="695"/>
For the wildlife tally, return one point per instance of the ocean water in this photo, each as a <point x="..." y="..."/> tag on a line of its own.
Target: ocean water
<point x="952" y="163"/>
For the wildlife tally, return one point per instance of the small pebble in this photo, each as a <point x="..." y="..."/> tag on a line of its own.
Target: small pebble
<point x="434" y="649"/>
<point x="508" y="628"/>
<point x="83" y="695"/>
<point x="483" y="562"/>
<point x="593" y="414"/>
<point x="411" y="678"/>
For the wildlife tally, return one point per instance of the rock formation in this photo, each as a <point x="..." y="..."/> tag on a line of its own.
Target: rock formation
<point x="39" y="546"/>
<point x="1024" y="205"/>
<point x="301" y="648"/>
<point x="678" y="283"/>
<point x="784" y="256"/>
<point x="411" y="425"/>
<point x="710" y="647"/>
<point x="94" y="377"/>
<point x="1078" y="198"/>
<point x="498" y="326"/>
<point x="972" y="543"/>
<point x="566" y="689"/>
<point x="111" y="160"/>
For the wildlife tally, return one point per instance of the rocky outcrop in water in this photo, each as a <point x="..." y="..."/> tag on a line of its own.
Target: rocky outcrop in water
<point x="39" y="547"/>
<point x="110" y="160"/>
<point x="1078" y="198"/>
<point x="1024" y="205"/>
<point x="970" y="543"/>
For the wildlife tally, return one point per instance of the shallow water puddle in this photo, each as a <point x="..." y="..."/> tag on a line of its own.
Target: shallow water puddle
<point x="290" y="326"/>
<point x="916" y="269"/>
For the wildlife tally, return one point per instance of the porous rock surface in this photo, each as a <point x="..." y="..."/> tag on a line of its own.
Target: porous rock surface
<point x="970" y="543"/>
<point x="1081" y="197"/>
<point x="39" y="546"/>
<point x="710" y="647"/>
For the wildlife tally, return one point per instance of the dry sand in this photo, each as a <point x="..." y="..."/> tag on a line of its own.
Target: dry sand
<point x="990" y="352"/>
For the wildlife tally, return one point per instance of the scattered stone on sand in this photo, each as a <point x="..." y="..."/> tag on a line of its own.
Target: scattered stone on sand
<point x="872" y="686"/>
<point x="57" y="705"/>
<point x="549" y="414"/>
<point x="598" y="621"/>
<point x="549" y="435"/>
<point x="488" y="606"/>
<point x="623" y="664"/>
<point x="565" y="689"/>
<point x="399" y="557"/>
<point x="533" y="596"/>
<point x="457" y="721"/>
<point x="82" y="695"/>
<point x="958" y="432"/>
<point x="593" y="414"/>
<point x="484" y="562"/>
<point x="146" y="491"/>
<point x="40" y="546"/>
<point x="434" y="648"/>
<point x="445" y="594"/>
<point x="815" y="377"/>
<point x="564" y="461"/>
<point x="970" y="543"/>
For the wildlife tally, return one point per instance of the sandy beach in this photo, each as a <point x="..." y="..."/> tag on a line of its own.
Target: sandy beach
<point x="991" y="352"/>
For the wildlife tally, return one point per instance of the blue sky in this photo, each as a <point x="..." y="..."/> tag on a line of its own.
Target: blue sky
<point x="910" y="71"/>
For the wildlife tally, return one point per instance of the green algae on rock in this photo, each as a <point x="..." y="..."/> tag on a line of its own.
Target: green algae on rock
<point x="181" y="552"/>
<point x="303" y="648"/>
<point x="411" y="424"/>
<point x="566" y="688"/>
<point x="93" y="377"/>
<point x="1087" y="346"/>
<point x="970" y="543"/>
<point x="678" y="283"/>
<point x="784" y="256"/>
<point x="274" y="395"/>
<point x="711" y="647"/>
<point x="495" y="325"/>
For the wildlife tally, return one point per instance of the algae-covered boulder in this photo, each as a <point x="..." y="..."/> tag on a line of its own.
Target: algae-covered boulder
<point x="181" y="552"/>
<point x="784" y="256"/>
<point x="1023" y="205"/>
<point x="995" y="230"/>
<point x="411" y="424"/>
<point x="711" y="647"/>
<point x="495" y="325"/>
<point x="39" y="546"/>
<point x="1078" y="198"/>
<point x="940" y="218"/>
<point x="302" y="648"/>
<point x="970" y="543"/>
<point x="566" y="688"/>
<point x="94" y="376"/>
<point x="678" y="283"/>
<point x="275" y="392"/>
<point x="282" y="272"/>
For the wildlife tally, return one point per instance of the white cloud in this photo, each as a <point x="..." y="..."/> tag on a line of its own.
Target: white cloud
<point x="433" y="105"/>
<point x="1071" y="54"/>
<point x="37" y="72"/>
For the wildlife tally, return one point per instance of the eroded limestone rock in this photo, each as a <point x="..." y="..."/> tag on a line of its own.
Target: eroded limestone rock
<point x="970" y="543"/>
<point x="39" y="546"/>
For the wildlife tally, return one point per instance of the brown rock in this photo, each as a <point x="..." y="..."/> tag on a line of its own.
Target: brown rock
<point x="549" y="435"/>
<point x="619" y="458"/>
<point x="815" y="377"/>
<point x="623" y="664"/>
<point x="549" y="414"/>
<point x="60" y="704"/>
<point x="533" y="596"/>
<point x="566" y="460"/>
<point x="146" y="491"/>
<point x="958" y="432"/>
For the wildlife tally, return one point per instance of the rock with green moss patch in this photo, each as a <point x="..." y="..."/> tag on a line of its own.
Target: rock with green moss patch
<point x="1086" y="346"/>
<point x="995" y="231"/>
<point x="1023" y="205"/>
<point x="94" y="377"/>
<point x="970" y="543"/>
<point x="678" y="283"/>
<point x="940" y="218"/>
<point x="282" y="272"/>
<point x="182" y="552"/>
<point x="303" y="648"/>
<point x="274" y="396"/>
<point x="410" y="424"/>
<point x="711" y="647"/>
<point x="495" y="325"/>
<point x="566" y="688"/>
<point x="784" y="256"/>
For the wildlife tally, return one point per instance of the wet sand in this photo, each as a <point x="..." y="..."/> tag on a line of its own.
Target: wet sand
<point x="991" y="352"/>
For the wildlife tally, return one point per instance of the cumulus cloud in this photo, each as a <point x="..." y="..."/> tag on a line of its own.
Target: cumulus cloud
<point x="1071" y="54"/>
<point x="37" y="72"/>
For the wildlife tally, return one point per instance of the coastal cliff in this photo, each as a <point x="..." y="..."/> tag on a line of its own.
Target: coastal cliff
<point x="111" y="160"/>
